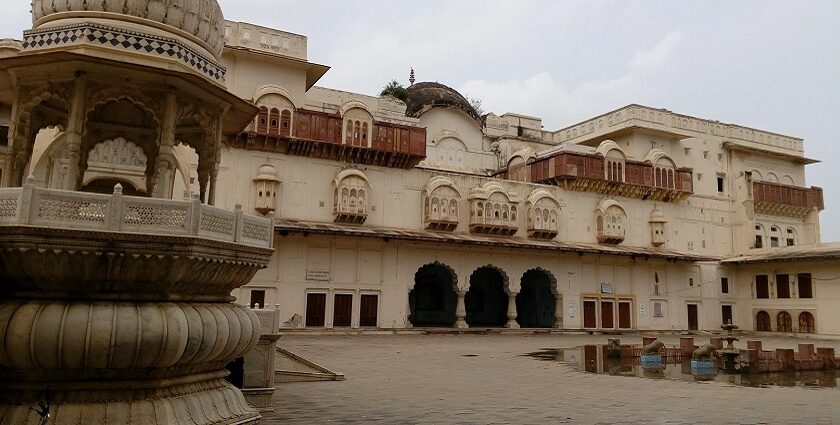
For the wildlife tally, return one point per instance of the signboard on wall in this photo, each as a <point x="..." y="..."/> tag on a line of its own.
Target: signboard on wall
<point x="607" y="288"/>
<point x="318" y="274"/>
<point x="642" y="310"/>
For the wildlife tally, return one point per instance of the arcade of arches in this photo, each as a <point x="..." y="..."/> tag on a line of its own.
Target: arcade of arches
<point x="783" y="321"/>
<point x="489" y="301"/>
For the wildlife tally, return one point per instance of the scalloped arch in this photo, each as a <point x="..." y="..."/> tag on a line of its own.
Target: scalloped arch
<point x="608" y="145"/>
<point x="539" y="194"/>
<point x="437" y="182"/>
<point x="273" y="89"/>
<point x="606" y="204"/>
<point x="353" y="104"/>
<point x="347" y="172"/>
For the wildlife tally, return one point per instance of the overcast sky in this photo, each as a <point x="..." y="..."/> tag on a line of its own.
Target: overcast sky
<point x="772" y="65"/>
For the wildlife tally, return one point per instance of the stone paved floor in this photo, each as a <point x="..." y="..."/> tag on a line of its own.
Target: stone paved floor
<point x="410" y="379"/>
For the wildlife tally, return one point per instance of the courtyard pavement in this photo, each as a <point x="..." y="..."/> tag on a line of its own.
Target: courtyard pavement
<point x="484" y="379"/>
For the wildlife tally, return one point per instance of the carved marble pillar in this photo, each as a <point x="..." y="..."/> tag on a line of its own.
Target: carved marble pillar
<point x="461" y="311"/>
<point x="73" y="134"/>
<point x="511" y="311"/>
<point x="558" y="311"/>
<point x="214" y="173"/>
<point x="165" y="168"/>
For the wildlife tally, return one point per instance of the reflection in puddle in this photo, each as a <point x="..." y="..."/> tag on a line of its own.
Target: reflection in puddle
<point x="593" y="359"/>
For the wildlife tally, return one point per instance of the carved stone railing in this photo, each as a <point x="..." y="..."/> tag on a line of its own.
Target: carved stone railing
<point x="781" y="199"/>
<point x="90" y="211"/>
<point x="585" y="173"/>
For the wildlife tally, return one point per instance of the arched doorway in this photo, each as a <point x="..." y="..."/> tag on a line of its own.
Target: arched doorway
<point x="106" y="186"/>
<point x="806" y="323"/>
<point x="784" y="322"/>
<point x="535" y="303"/>
<point x="762" y="322"/>
<point x="487" y="301"/>
<point x="433" y="300"/>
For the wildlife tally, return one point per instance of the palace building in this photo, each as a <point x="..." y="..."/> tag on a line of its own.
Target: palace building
<point x="420" y="212"/>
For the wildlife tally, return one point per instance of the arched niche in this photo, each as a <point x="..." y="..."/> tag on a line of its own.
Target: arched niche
<point x="664" y="169"/>
<point x="441" y="204"/>
<point x="358" y="125"/>
<point x="117" y="159"/>
<point x="450" y="150"/>
<point x="351" y="196"/>
<point x="611" y="222"/>
<point x="615" y="160"/>
<point x="543" y="215"/>
<point x="275" y="116"/>
<point x="493" y="210"/>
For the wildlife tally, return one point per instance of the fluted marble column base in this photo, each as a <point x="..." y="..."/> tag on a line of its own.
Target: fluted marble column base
<point x="210" y="402"/>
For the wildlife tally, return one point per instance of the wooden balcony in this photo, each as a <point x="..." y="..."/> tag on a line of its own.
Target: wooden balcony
<point x="319" y="135"/>
<point x="542" y="233"/>
<point x="585" y="173"/>
<point x="786" y="200"/>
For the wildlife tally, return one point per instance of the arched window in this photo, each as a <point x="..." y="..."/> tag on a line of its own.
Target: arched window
<point x="762" y="321"/>
<point x="274" y="122"/>
<point x="286" y="123"/>
<point x="262" y="120"/>
<point x="364" y="134"/>
<point x="806" y="323"/>
<point x="784" y="322"/>
<point x="790" y="237"/>
<point x="775" y="236"/>
<point x="357" y="133"/>
<point x="444" y="197"/>
<point x="759" y="236"/>
<point x="610" y="216"/>
<point x="348" y="138"/>
<point x="351" y="188"/>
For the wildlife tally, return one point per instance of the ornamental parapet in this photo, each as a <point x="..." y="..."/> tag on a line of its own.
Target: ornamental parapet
<point x="586" y="173"/>
<point x="786" y="200"/>
<point x="53" y="208"/>
<point x="323" y="135"/>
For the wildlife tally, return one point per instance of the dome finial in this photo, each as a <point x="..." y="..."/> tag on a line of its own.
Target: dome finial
<point x="411" y="78"/>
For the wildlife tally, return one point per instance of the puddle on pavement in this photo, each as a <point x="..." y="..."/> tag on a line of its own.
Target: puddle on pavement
<point x="593" y="359"/>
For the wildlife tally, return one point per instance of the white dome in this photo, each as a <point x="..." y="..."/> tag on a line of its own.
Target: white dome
<point x="200" y="21"/>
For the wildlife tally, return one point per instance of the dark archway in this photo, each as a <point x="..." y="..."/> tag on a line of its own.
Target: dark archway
<point x="433" y="300"/>
<point x="487" y="301"/>
<point x="762" y="322"/>
<point x="535" y="303"/>
<point x="106" y="186"/>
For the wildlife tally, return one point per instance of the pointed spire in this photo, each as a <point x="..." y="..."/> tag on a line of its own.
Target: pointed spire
<point x="411" y="78"/>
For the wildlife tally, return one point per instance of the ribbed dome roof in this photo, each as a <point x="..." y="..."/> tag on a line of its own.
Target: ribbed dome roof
<point x="201" y="20"/>
<point x="424" y="96"/>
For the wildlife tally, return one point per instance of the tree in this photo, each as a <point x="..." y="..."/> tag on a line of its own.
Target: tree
<point x="476" y="105"/>
<point x="394" y="88"/>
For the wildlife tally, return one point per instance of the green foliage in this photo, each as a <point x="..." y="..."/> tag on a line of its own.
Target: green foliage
<point x="394" y="88"/>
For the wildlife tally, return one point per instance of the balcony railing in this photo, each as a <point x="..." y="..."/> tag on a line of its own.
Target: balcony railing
<point x="585" y="173"/>
<point x="117" y="213"/>
<point x="782" y="199"/>
<point x="319" y="135"/>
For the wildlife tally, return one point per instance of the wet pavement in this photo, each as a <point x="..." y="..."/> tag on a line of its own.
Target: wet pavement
<point x="593" y="359"/>
<point x="480" y="379"/>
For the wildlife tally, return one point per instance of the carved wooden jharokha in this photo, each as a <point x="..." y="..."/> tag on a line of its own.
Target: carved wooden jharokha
<point x="120" y="305"/>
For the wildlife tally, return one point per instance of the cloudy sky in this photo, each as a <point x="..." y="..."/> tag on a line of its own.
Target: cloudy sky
<point x="773" y="65"/>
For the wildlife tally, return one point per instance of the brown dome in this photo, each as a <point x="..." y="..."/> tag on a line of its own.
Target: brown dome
<point x="424" y="96"/>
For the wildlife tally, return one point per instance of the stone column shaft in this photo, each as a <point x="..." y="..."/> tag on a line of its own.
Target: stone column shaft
<point x="558" y="311"/>
<point x="461" y="311"/>
<point x="511" y="311"/>
<point x="165" y="168"/>
<point x="73" y="134"/>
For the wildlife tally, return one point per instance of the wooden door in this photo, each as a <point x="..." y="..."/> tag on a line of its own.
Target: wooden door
<point x="607" y="314"/>
<point x="693" y="322"/>
<point x="342" y="310"/>
<point x="316" y="307"/>
<point x="368" y="310"/>
<point x="589" y="315"/>
<point x="624" y="315"/>
<point x="726" y="313"/>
